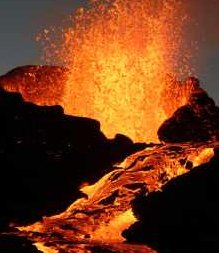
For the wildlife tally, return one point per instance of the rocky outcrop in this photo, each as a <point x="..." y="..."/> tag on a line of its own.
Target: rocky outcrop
<point x="183" y="217"/>
<point x="197" y="121"/>
<point x="45" y="155"/>
<point x="12" y="244"/>
<point x="176" y="93"/>
<point x="43" y="85"/>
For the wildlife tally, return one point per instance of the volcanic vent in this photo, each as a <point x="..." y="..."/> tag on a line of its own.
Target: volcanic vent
<point x="119" y="69"/>
<point x="117" y="56"/>
<point x="98" y="219"/>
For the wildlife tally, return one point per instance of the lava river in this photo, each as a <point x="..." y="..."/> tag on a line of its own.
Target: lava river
<point x="98" y="219"/>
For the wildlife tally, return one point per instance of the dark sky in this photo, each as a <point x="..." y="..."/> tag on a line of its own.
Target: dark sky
<point x="21" y="20"/>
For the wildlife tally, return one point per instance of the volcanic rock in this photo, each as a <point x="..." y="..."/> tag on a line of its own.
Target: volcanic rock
<point x="13" y="244"/>
<point x="183" y="217"/>
<point x="197" y="121"/>
<point x="176" y="93"/>
<point x="42" y="85"/>
<point x="46" y="155"/>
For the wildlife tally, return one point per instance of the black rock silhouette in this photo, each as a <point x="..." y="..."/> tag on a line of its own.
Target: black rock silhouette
<point x="197" y="121"/>
<point x="45" y="155"/>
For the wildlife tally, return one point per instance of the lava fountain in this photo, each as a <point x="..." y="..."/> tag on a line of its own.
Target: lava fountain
<point x="118" y="54"/>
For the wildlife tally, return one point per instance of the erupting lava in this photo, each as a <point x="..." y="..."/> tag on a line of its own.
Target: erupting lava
<point x="118" y="54"/>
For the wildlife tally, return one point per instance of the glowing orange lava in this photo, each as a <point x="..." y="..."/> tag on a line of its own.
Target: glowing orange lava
<point x="118" y="53"/>
<point x="106" y="211"/>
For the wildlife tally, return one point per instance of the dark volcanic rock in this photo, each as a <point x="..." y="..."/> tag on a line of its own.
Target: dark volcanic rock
<point x="175" y="93"/>
<point x="45" y="155"/>
<point x="197" y="121"/>
<point x="14" y="244"/>
<point x="184" y="217"/>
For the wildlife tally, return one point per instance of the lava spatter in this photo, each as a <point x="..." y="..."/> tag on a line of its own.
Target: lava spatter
<point x="119" y="54"/>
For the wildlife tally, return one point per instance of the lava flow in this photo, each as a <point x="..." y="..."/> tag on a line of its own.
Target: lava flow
<point x="118" y="54"/>
<point x="100" y="217"/>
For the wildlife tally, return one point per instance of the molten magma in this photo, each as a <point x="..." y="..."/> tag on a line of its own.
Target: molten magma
<point x="101" y="217"/>
<point x="118" y="53"/>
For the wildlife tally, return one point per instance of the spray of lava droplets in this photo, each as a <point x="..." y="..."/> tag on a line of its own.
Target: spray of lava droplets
<point x="118" y="54"/>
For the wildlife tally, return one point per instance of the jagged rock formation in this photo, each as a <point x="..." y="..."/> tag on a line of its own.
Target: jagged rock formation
<point x="52" y="85"/>
<point x="183" y="217"/>
<point x="45" y="155"/>
<point x="197" y="121"/>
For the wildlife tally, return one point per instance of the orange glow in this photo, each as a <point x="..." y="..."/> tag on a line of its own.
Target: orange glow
<point x="112" y="231"/>
<point x="122" y="57"/>
<point x="106" y="211"/>
<point x="119" y="53"/>
<point x="42" y="85"/>
<point x="45" y="249"/>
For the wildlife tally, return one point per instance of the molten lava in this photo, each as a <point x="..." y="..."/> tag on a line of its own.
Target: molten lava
<point x="101" y="216"/>
<point x="119" y="54"/>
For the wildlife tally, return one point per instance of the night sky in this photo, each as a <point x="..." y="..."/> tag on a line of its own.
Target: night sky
<point x="21" y="20"/>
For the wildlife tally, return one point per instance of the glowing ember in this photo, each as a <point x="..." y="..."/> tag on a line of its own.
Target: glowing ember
<point x="118" y="53"/>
